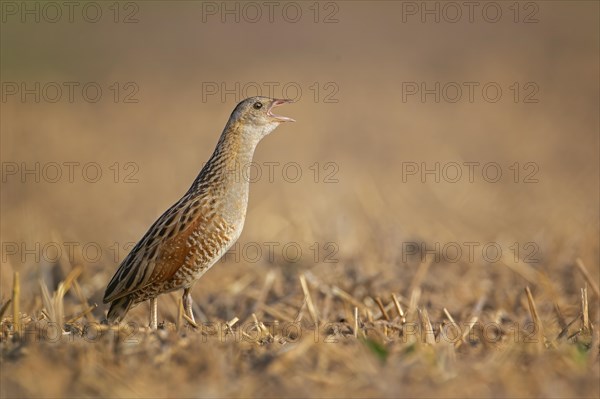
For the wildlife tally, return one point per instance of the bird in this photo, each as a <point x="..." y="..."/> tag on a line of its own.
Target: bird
<point x="196" y="231"/>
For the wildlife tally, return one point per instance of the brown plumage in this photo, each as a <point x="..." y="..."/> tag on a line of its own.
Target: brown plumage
<point x="199" y="228"/>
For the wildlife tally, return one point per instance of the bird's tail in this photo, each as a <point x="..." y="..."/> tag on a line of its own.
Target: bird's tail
<point x="118" y="309"/>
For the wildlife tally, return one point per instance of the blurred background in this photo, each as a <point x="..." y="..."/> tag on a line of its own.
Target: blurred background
<point x="109" y="113"/>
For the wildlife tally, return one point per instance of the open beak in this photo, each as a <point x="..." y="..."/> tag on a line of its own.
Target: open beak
<point x="279" y="118"/>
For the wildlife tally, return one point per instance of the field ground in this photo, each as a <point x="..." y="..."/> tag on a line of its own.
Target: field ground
<point x="373" y="262"/>
<point x="494" y="345"/>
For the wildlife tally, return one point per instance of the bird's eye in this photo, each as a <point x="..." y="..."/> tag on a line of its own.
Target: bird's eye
<point x="257" y="105"/>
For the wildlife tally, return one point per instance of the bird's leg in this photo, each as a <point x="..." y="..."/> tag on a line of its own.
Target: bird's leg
<point x="187" y="303"/>
<point x="153" y="313"/>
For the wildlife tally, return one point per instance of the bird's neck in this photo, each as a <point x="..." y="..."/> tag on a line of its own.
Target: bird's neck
<point x="229" y="164"/>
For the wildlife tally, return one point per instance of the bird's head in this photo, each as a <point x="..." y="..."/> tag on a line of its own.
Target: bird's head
<point x="256" y="114"/>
